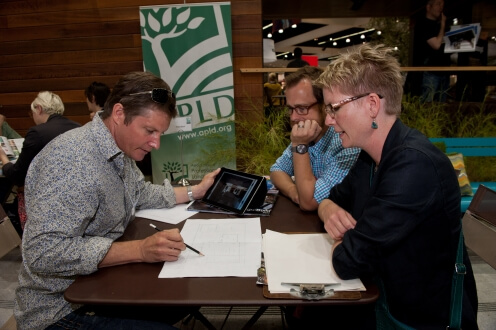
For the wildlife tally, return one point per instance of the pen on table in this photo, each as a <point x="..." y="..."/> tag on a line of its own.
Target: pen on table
<point x="189" y="247"/>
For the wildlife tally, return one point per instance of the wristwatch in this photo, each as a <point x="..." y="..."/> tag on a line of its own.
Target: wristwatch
<point x="190" y="193"/>
<point x="300" y="148"/>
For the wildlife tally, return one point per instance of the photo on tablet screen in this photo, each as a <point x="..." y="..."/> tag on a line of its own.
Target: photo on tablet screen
<point x="233" y="190"/>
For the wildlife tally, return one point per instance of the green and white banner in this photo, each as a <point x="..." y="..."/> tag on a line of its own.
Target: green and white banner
<point x="189" y="46"/>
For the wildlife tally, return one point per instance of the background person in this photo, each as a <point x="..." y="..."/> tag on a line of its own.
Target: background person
<point x="6" y="130"/>
<point x="315" y="156"/>
<point x="428" y="50"/>
<point x="82" y="192"/>
<point x="96" y="95"/>
<point x="271" y="88"/>
<point x="396" y="216"/>
<point x="5" y="184"/>
<point x="297" y="62"/>
<point x="46" y="111"/>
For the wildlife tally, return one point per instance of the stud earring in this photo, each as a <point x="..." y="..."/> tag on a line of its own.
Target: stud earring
<point x="374" y="124"/>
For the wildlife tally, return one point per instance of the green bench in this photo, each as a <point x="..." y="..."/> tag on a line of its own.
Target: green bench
<point x="471" y="147"/>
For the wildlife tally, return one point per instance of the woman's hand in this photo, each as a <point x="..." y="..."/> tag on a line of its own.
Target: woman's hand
<point x="336" y="220"/>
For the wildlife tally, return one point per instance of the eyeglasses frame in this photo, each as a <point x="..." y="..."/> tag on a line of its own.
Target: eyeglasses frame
<point x="306" y="109"/>
<point x="331" y="109"/>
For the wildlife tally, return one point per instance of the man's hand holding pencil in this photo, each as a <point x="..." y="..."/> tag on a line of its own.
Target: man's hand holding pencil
<point x="174" y="236"/>
<point x="163" y="246"/>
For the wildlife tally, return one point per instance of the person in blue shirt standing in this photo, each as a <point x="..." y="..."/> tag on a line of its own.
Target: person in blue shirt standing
<point x="315" y="156"/>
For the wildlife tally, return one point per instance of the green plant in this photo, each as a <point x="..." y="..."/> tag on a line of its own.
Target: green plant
<point x="260" y="140"/>
<point x="429" y="118"/>
<point x="455" y="120"/>
<point x="478" y="122"/>
<point x="395" y="33"/>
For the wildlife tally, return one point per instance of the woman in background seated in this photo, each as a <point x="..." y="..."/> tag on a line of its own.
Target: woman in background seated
<point x="6" y="130"/>
<point x="396" y="217"/>
<point x="46" y="111"/>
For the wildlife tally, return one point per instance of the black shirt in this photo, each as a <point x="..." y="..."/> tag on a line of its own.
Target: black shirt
<point x="37" y="137"/>
<point x="423" y="53"/>
<point x="407" y="231"/>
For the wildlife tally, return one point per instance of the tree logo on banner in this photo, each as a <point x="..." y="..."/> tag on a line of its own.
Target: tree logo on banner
<point x="189" y="46"/>
<point x="165" y="28"/>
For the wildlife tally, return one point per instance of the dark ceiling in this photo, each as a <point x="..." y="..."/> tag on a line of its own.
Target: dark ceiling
<point x="320" y="20"/>
<point x="277" y="9"/>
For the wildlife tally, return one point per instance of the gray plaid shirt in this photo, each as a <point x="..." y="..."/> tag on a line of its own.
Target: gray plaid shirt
<point x="80" y="191"/>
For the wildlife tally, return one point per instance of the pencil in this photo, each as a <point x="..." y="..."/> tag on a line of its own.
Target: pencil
<point x="189" y="247"/>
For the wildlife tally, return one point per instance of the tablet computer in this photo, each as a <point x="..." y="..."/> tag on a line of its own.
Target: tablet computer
<point x="236" y="191"/>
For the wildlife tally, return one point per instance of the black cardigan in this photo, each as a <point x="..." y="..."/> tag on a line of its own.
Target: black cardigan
<point x="407" y="231"/>
<point x="36" y="139"/>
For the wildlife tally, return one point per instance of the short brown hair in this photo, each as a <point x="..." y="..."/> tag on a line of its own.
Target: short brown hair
<point x="135" y="105"/>
<point x="367" y="69"/>
<point x="307" y="72"/>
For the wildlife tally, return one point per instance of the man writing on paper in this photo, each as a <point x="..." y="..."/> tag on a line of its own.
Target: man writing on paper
<point x="81" y="193"/>
<point x="315" y="156"/>
<point x="396" y="216"/>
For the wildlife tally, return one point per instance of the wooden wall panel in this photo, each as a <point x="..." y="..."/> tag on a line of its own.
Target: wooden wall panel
<point x="63" y="46"/>
<point x="70" y="31"/>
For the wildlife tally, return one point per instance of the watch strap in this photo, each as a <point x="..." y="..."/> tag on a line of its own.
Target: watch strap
<point x="190" y="193"/>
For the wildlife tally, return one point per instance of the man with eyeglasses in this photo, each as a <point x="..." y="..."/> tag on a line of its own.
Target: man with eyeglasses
<point x="82" y="191"/>
<point x="315" y="157"/>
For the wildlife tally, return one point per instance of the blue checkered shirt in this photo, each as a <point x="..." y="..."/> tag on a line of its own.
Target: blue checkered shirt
<point x="330" y="163"/>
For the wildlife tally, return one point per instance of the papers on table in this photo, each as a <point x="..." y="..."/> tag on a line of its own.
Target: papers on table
<point x="301" y="258"/>
<point x="232" y="247"/>
<point x="173" y="215"/>
<point x="462" y="38"/>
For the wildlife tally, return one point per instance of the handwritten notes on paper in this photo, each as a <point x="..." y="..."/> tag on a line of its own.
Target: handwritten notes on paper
<point x="232" y="247"/>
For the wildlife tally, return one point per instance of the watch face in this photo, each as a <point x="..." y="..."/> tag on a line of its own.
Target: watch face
<point x="301" y="148"/>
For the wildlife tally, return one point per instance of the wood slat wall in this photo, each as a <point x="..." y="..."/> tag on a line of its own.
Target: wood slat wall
<point x="63" y="46"/>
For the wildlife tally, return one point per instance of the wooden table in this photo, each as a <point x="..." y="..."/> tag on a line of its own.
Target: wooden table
<point x="138" y="283"/>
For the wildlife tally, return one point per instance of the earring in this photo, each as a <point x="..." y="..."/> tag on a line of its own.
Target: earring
<point x="374" y="124"/>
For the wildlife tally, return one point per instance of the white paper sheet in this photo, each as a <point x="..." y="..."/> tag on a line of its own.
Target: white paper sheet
<point x="173" y="215"/>
<point x="232" y="247"/>
<point x="301" y="258"/>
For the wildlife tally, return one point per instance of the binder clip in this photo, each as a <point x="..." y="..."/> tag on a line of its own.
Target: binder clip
<point x="312" y="292"/>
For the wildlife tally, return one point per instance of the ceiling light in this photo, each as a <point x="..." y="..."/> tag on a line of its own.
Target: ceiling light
<point x="354" y="34"/>
<point x="269" y="35"/>
<point x="348" y="40"/>
<point x="330" y="39"/>
<point x="395" y="48"/>
<point x="334" y="43"/>
<point x="267" y="26"/>
<point x="379" y="33"/>
<point x="281" y="31"/>
<point x="362" y="36"/>
<point x="294" y="26"/>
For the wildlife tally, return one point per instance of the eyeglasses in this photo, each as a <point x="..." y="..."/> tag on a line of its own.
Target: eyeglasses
<point x="331" y="109"/>
<point x="300" y="109"/>
<point x="159" y="95"/>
